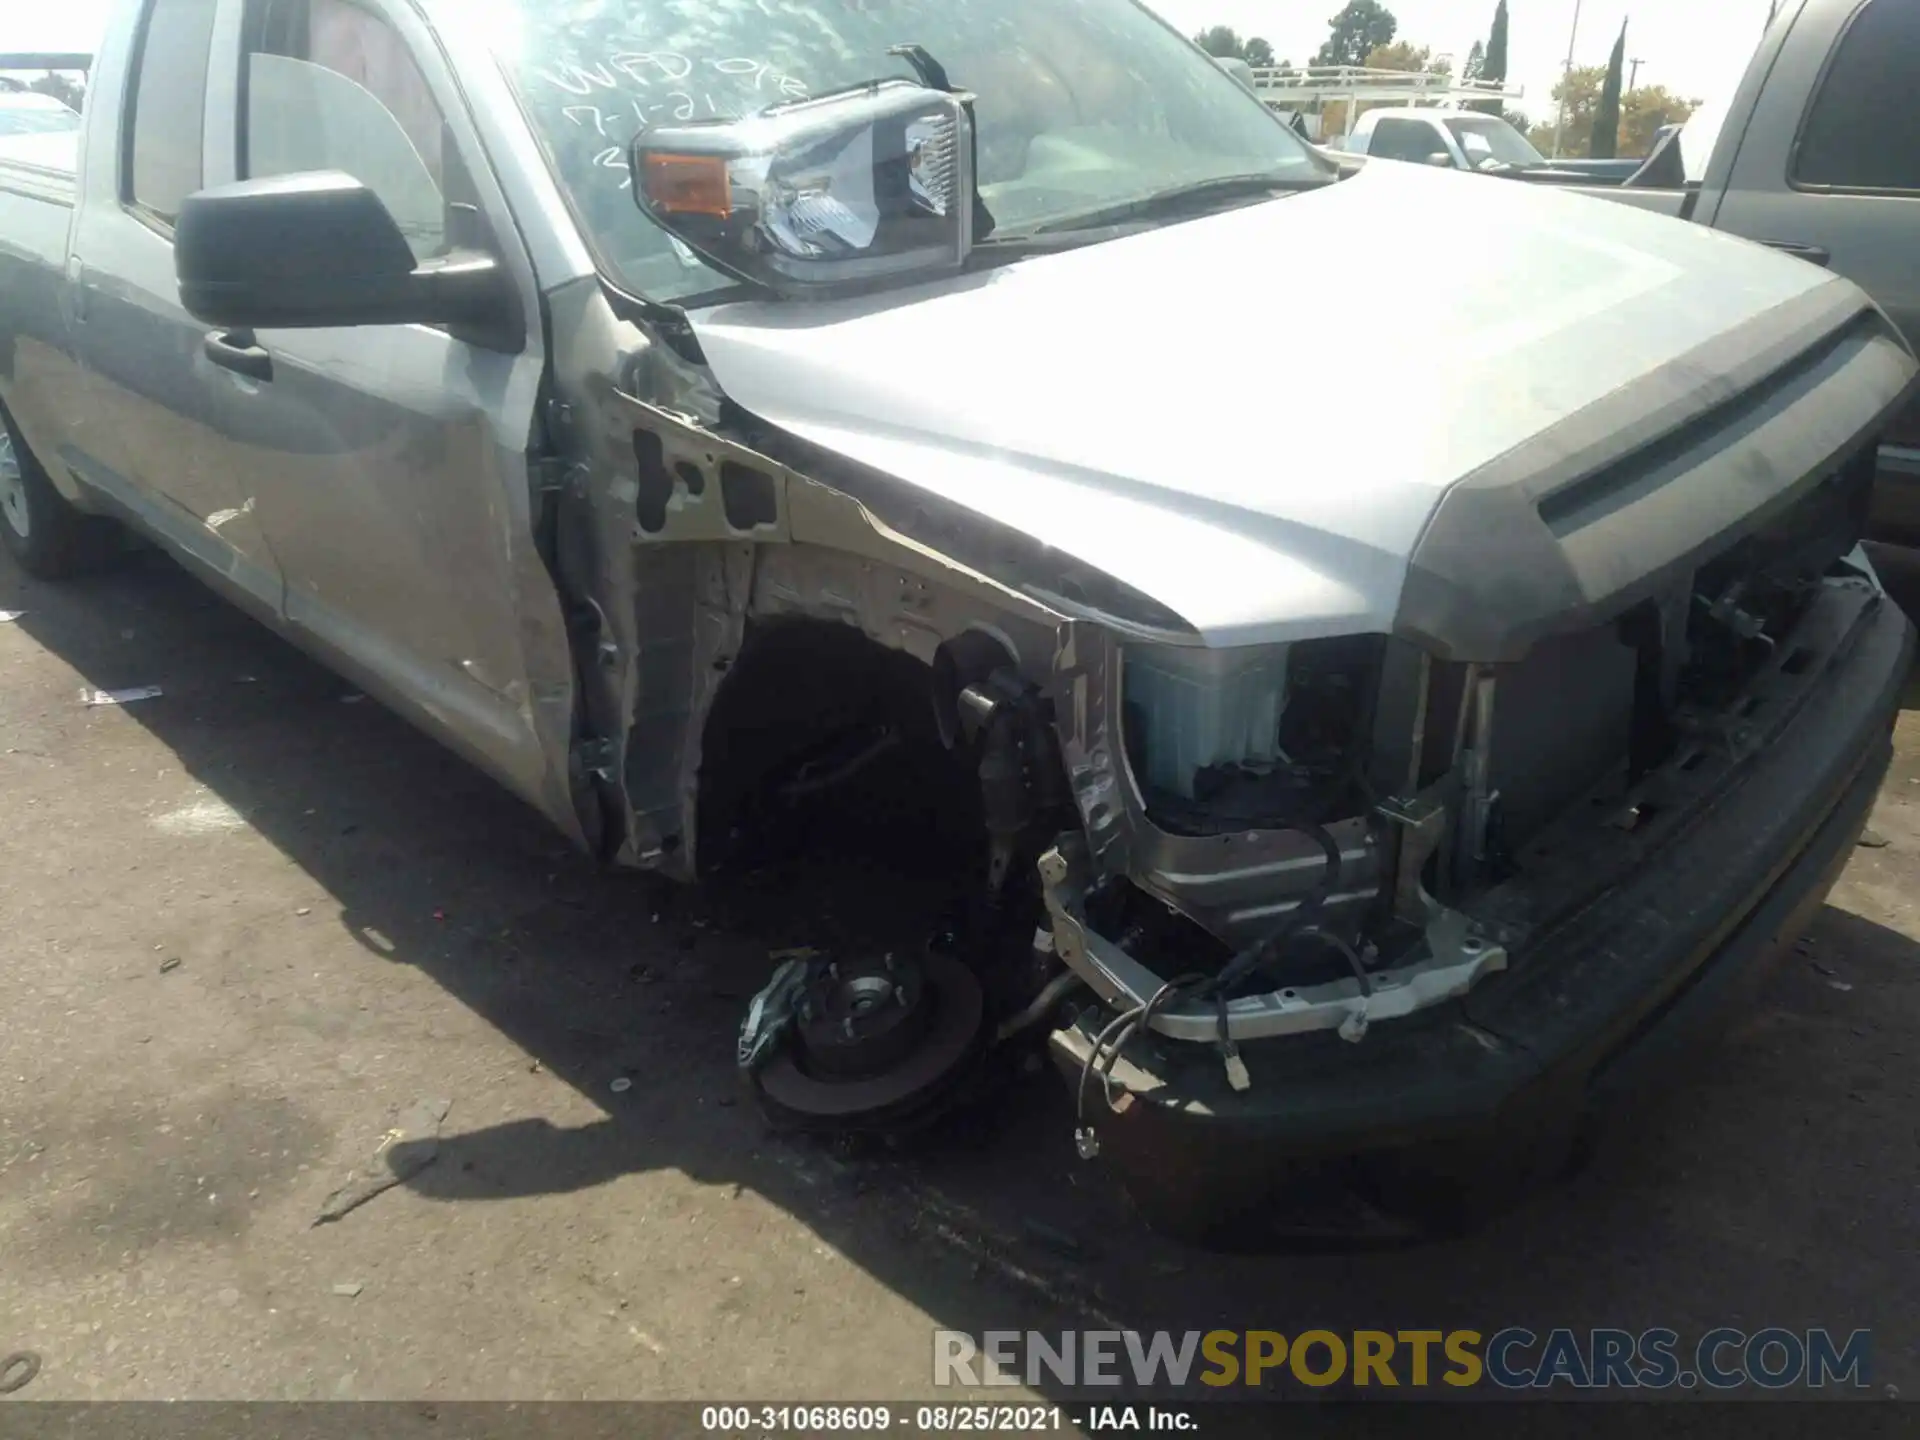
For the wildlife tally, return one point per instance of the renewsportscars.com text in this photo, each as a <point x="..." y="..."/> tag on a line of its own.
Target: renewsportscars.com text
<point x="1514" y="1358"/>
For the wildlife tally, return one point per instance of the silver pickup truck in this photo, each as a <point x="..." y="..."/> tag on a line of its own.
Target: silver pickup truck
<point x="681" y="407"/>
<point x="1818" y="153"/>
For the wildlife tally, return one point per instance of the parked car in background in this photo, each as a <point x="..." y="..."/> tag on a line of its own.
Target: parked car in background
<point x="682" y="409"/>
<point x="1817" y="153"/>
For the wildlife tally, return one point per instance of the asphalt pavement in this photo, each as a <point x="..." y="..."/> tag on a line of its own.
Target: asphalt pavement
<point x="259" y="932"/>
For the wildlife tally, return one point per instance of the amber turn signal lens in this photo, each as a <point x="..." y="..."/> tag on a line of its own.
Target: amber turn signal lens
<point x="687" y="185"/>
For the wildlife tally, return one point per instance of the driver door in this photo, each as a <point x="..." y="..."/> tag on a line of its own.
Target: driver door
<point x="389" y="464"/>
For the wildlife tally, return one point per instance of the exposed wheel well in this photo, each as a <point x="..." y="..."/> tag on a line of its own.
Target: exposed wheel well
<point x="822" y="736"/>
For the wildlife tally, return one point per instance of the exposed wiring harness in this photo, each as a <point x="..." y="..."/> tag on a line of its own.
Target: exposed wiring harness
<point x="1299" y="923"/>
<point x="1264" y="951"/>
<point x="1105" y="1054"/>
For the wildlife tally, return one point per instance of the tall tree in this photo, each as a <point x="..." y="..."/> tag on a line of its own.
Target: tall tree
<point x="1606" y="115"/>
<point x="1642" y="112"/>
<point x="1405" y="55"/>
<point x="1222" y="41"/>
<point x="1359" y="29"/>
<point x="1493" y="65"/>
<point x="61" y="88"/>
<point x="1476" y="63"/>
<point x="1576" y="95"/>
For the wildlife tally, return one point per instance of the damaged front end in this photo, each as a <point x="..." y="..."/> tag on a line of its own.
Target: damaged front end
<point x="1471" y="804"/>
<point x="1285" y="839"/>
<point x="1317" y="893"/>
<point x="1476" y="868"/>
<point x="1198" y="868"/>
<point x="761" y="633"/>
<point x="1504" y="979"/>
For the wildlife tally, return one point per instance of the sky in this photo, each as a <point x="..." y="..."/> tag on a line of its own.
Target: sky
<point x="1697" y="48"/>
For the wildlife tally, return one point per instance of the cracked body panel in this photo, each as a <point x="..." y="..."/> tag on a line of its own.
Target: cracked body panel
<point x="672" y="537"/>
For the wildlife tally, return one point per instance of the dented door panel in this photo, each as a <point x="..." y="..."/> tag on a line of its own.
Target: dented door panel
<point x="394" y="470"/>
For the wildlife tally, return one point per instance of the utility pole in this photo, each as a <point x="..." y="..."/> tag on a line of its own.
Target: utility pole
<point x="1560" y="118"/>
<point x="1633" y="75"/>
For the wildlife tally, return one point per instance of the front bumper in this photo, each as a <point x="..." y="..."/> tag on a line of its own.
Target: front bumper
<point x="1895" y="517"/>
<point x="1591" y="1006"/>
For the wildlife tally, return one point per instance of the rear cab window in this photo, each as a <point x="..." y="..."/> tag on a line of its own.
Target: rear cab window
<point x="1862" y="130"/>
<point x="166" y="110"/>
<point x="1398" y="139"/>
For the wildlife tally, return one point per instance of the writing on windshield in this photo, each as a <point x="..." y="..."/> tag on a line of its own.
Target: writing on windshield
<point x="626" y="92"/>
<point x="1079" y="103"/>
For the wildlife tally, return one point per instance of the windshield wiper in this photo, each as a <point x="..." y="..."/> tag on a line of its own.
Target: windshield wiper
<point x="1181" y="200"/>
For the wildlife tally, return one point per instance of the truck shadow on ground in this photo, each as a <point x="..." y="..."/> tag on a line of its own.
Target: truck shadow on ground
<point x="1687" y="1216"/>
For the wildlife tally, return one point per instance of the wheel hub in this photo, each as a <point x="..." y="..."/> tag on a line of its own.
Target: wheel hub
<point x="876" y="1043"/>
<point x="862" y="1018"/>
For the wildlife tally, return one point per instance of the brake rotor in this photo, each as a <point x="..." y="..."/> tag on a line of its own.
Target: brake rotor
<point x="875" y="1043"/>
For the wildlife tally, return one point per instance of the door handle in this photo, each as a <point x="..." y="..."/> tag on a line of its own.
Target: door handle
<point x="1813" y="254"/>
<point x="238" y="351"/>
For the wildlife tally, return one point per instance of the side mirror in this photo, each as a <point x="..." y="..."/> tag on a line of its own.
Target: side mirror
<point x="318" y="250"/>
<point x="1442" y="159"/>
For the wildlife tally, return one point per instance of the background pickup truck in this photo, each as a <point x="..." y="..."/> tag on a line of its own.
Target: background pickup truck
<point x="1818" y="154"/>
<point x="1462" y="140"/>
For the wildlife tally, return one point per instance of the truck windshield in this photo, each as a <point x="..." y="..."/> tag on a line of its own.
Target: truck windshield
<point x="1491" y="138"/>
<point x="1082" y="105"/>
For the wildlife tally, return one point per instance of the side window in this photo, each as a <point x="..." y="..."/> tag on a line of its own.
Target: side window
<point x="167" y="110"/>
<point x="331" y="86"/>
<point x="1396" y="139"/>
<point x="1863" y="129"/>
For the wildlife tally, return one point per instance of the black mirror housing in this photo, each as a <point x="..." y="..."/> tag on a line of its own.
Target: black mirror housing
<point x="320" y="250"/>
<point x="296" y="250"/>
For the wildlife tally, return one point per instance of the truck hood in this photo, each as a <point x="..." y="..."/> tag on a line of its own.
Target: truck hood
<point x="1250" y="417"/>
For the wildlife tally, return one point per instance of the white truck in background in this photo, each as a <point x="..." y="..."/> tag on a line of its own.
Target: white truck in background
<point x="1454" y="139"/>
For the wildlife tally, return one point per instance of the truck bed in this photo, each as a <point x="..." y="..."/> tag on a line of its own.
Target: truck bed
<point x="41" y="165"/>
<point x="38" y="191"/>
<point x="38" y="195"/>
<point x="1661" y="202"/>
